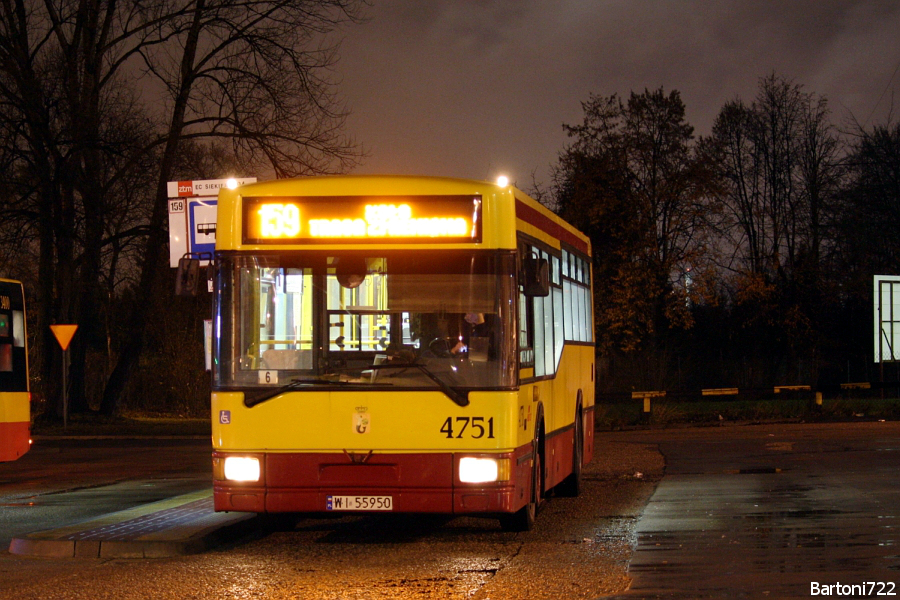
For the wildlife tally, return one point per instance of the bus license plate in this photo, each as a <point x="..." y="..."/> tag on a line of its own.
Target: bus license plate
<point x="359" y="503"/>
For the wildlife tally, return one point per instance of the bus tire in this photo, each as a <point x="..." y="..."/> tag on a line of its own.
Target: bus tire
<point x="524" y="518"/>
<point x="571" y="486"/>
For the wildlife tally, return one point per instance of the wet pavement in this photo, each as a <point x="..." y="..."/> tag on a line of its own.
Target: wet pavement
<point x="183" y="524"/>
<point x="774" y="511"/>
<point x="579" y="548"/>
<point x="61" y="482"/>
<point x="763" y="511"/>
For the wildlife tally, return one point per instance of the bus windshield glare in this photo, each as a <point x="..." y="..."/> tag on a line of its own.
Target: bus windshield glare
<point x="415" y="320"/>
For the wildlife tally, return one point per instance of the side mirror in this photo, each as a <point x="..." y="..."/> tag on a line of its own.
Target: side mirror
<point x="187" y="278"/>
<point x="536" y="276"/>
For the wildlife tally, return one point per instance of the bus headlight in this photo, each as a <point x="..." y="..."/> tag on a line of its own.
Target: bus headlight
<point x="241" y="468"/>
<point x="483" y="470"/>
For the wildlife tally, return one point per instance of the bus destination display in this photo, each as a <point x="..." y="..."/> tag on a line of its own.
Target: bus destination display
<point x="439" y="219"/>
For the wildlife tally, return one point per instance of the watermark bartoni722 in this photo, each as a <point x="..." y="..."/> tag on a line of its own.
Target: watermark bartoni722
<point x="866" y="589"/>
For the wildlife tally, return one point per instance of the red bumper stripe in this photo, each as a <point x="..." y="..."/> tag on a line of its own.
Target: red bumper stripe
<point x="426" y="483"/>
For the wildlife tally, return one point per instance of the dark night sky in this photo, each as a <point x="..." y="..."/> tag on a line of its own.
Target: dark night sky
<point x="475" y="88"/>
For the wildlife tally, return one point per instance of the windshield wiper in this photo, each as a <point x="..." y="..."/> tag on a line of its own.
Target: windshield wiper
<point x="459" y="398"/>
<point x="294" y="384"/>
<point x="462" y="399"/>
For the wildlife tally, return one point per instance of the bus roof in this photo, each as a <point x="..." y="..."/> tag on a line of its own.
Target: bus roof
<point x="502" y="206"/>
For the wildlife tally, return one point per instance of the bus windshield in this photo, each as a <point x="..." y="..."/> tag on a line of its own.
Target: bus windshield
<point x="417" y="320"/>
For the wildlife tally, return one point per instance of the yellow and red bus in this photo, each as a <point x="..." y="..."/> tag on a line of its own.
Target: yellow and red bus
<point x="15" y="399"/>
<point x="406" y="344"/>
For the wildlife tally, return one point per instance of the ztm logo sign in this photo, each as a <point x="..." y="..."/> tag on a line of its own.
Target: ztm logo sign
<point x="185" y="188"/>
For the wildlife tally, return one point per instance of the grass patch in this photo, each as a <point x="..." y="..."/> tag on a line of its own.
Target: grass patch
<point x="664" y="411"/>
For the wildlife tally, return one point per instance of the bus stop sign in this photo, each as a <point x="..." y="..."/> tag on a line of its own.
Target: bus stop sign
<point x="192" y="215"/>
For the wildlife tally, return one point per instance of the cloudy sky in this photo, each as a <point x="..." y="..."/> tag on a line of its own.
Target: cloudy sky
<point x="476" y="88"/>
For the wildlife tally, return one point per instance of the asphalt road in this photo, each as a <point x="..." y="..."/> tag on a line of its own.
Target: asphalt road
<point x="726" y="512"/>
<point x="774" y="511"/>
<point x="64" y="481"/>
<point x="579" y="548"/>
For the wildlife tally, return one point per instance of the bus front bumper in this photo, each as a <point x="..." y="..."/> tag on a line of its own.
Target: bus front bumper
<point x="398" y="482"/>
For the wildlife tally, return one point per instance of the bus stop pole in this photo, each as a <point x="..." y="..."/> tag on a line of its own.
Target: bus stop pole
<point x="65" y="388"/>
<point x="64" y="334"/>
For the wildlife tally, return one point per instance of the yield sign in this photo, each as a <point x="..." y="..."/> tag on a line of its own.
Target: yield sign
<point x="64" y="334"/>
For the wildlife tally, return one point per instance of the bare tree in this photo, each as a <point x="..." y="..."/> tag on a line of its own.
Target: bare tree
<point x="779" y="160"/>
<point x="249" y="76"/>
<point x="869" y="218"/>
<point x="779" y="157"/>
<point x="92" y="92"/>
<point x="633" y="181"/>
<point x="821" y="173"/>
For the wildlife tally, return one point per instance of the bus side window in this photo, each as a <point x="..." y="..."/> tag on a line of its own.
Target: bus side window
<point x="18" y="328"/>
<point x="526" y="352"/>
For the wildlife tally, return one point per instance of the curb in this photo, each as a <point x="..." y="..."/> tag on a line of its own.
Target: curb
<point x="177" y="526"/>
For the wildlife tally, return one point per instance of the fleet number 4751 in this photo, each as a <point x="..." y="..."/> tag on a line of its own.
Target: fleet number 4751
<point x="474" y="427"/>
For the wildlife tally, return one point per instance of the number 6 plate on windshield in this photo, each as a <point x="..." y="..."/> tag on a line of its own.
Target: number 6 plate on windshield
<point x="359" y="503"/>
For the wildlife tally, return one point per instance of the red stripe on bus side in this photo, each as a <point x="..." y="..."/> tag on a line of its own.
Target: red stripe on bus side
<point x="548" y="226"/>
<point x="14" y="439"/>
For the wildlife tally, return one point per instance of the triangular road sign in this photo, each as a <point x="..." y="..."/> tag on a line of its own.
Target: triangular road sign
<point x="64" y="334"/>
